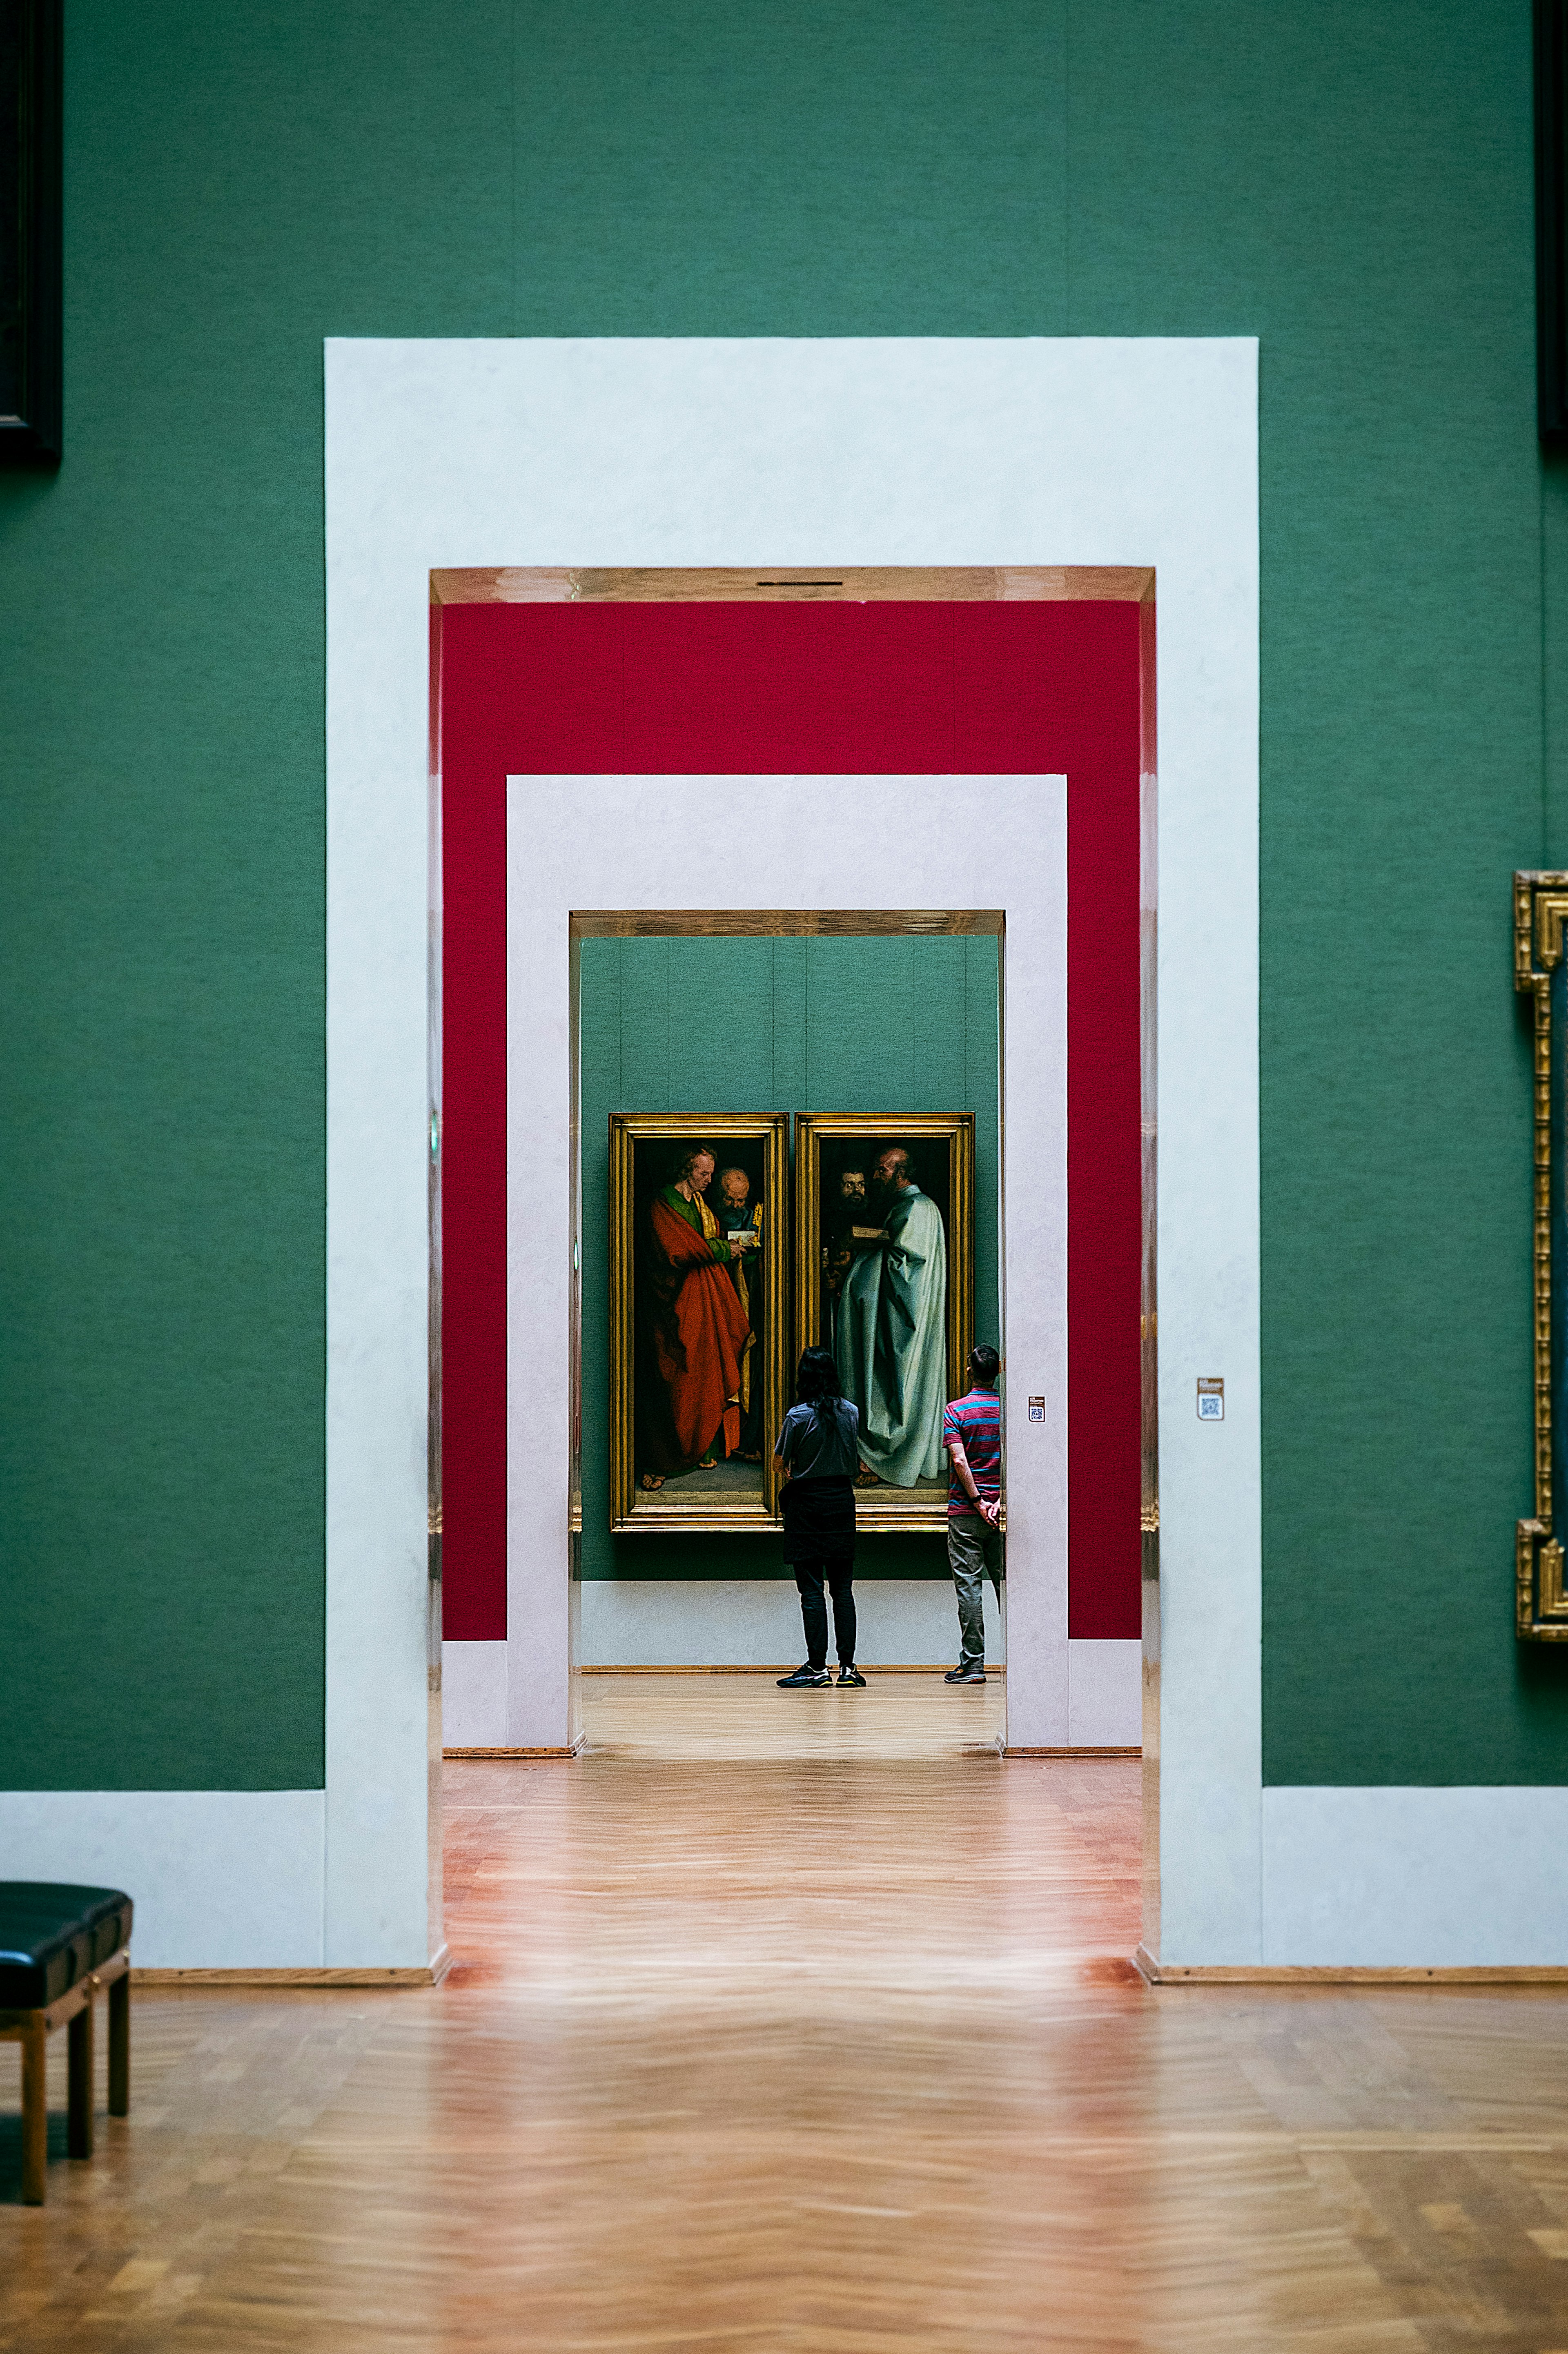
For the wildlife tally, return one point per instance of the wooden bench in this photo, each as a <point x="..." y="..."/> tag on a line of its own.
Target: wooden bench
<point x="59" y="1947"/>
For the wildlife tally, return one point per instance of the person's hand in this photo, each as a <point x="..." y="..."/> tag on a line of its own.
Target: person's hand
<point x="990" y="1510"/>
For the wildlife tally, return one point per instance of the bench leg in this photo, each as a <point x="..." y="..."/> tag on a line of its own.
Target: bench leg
<point x="80" y="2063"/>
<point x="119" y="2047"/>
<point x="34" y="2113"/>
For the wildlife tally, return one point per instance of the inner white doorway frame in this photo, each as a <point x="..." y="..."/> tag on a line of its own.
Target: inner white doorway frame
<point x="971" y="842"/>
<point x="1080" y="452"/>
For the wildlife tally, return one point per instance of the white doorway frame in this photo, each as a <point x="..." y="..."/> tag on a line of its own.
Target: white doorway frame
<point x="972" y="843"/>
<point x="1083" y="453"/>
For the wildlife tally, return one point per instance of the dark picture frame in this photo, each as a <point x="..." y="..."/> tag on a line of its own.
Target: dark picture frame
<point x="31" y="209"/>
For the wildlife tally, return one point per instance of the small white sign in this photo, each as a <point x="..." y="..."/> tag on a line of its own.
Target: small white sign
<point x="1036" y="1409"/>
<point x="1211" y="1400"/>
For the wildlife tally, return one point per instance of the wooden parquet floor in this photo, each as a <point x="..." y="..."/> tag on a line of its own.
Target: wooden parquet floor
<point x="810" y="2032"/>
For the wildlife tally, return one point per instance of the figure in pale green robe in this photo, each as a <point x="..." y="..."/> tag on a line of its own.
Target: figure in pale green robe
<point x="891" y="1336"/>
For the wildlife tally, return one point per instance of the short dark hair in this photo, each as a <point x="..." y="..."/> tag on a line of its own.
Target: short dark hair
<point x="686" y="1157"/>
<point x="985" y="1365"/>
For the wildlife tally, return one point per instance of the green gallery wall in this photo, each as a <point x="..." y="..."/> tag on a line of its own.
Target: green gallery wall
<point x="748" y="1025"/>
<point x="1351" y="185"/>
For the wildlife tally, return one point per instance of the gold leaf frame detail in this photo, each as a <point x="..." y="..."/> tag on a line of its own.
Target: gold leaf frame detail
<point x="1539" y="913"/>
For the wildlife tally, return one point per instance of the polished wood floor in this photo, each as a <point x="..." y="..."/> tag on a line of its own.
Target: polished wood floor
<point x="804" y="2022"/>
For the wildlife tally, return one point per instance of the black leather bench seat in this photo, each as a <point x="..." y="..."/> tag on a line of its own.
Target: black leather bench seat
<point x="51" y="1934"/>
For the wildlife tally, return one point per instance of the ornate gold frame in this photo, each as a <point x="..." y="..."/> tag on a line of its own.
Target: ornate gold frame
<point x="1540" y="912"/>
<point x="630" y="1512"/>
<point x="872" y="1514"/>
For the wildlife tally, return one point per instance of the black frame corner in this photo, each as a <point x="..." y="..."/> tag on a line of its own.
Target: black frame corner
<point x="32" y="194"/>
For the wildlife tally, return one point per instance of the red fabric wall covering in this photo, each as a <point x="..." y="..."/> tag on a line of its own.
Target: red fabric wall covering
<point x="850" y="689"/>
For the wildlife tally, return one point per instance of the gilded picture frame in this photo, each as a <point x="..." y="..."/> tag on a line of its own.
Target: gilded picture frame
<point x="832" y="1240"/>
<point x="674" y="1346"/>
<point x="1541" y="973"/>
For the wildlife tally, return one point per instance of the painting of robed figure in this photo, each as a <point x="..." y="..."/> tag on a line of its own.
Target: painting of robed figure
<point x="884" y="1278"/>
<point x="698" y="1264"/>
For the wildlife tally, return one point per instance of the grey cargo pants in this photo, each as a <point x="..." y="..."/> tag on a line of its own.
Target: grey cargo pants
<point x="974" y="1553"/>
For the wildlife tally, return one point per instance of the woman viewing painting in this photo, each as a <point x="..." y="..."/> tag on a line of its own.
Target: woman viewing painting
<point x="817" y="1454"/>
<point x="694" y="1329"/>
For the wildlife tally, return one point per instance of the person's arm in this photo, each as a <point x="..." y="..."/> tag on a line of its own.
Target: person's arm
<point x="988" y="1508"/>
<point x="786" y="1468"/>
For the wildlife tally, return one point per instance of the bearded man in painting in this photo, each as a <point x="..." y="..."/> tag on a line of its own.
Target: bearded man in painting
<point x="838" y="1250"/>
<point x="891" y="1339"/>
<point x="738" y="1216"/>
<point x="691" y="1328"/>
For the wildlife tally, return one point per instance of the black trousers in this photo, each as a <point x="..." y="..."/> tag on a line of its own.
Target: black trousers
<point x="840" y="1575"/>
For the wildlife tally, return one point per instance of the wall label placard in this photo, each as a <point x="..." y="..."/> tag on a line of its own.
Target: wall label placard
<point x="1211" y="1399"/>
<point x="1036" y="1409"/>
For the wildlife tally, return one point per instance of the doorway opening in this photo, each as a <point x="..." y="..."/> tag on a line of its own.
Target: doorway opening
<point x="556" y="691"/>
<point x="874" y="1033"/>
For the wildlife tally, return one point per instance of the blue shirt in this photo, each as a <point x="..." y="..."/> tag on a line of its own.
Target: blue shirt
<point x="824" y="1450"/>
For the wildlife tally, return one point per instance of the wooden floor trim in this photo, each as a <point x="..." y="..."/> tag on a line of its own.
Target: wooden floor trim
<point x="1020" y="1751"/>
<point x="524" y="1756"/>
<point x="1311" y="1974"/>
<point x="793" y="923"/>
<point x="430" y="1975"/>
<point x="493" y="584"/>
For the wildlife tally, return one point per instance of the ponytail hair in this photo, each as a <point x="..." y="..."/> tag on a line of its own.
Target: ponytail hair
<point x="817" y="1383"/>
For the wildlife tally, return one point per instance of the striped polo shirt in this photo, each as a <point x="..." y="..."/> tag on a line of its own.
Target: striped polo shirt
<point x="975" y="1421"/>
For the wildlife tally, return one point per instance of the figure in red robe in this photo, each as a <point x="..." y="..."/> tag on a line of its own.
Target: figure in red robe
<point x="693" y="1330"/>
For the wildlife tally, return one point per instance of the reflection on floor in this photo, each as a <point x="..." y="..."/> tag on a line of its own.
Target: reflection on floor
<point x="729" y="1717"/>
<point x="808" y="2050"/>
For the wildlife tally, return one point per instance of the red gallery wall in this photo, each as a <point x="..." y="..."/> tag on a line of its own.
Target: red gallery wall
<point x="853" y="689"/>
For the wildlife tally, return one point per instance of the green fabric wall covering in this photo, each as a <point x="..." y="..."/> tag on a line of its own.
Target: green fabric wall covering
<point x="745" y="1025"/>
<point x="1352" y="183"/>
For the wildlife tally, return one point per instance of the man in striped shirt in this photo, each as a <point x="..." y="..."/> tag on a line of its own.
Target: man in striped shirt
<point x="971" y="1433"/>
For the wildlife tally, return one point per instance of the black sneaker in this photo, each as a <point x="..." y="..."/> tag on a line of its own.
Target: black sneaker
<point x="964" y="1676"/>
<point x="802" y="1676"/>
<point x="851" y="1675"/>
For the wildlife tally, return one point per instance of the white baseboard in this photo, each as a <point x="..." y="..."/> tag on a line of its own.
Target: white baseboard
<point x="755" y="1622"/>
<point x="1104" y="1694"/>
<point x="220" y="1878"/>
<point x="1390" y="1877"/>
<point x="474" y="1695"/>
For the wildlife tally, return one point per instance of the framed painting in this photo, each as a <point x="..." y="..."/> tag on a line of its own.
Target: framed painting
<point x="699" y="1319"/>
<point x="30" y="211"/>
<point x="884" y="1278"/>
<point x="1541" y="972"/>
